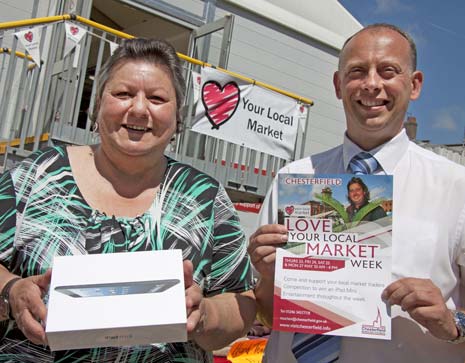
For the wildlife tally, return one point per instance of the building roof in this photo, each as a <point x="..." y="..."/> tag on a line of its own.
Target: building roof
<point x="324" y="20"/>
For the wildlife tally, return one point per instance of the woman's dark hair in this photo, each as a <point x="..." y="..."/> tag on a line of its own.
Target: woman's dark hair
<point x="157" y="52"/>
<point x="359" y="181"/>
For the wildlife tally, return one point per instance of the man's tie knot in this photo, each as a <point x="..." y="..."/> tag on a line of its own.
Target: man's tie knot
<point x="363" y="163"/>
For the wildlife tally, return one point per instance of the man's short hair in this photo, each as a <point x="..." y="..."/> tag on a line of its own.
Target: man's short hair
<point x="379" y="26"/>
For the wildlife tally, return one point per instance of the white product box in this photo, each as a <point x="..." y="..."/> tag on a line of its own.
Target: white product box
<point x="117" y="299"/>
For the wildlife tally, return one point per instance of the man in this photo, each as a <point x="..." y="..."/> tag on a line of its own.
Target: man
<point x="358" y="196"/>
<point x="376" y="79"/>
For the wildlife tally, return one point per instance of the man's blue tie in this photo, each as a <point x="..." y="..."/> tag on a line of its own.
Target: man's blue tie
<point x="363" y="163"/>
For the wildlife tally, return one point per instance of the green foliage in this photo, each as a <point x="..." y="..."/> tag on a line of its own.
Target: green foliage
<point x="358" y="217"/>
<point x="341" y="211"/>
<point x="333" y="203"/>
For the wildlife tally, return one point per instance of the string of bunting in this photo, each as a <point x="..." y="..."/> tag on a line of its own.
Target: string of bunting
<point x="30" y="39"/>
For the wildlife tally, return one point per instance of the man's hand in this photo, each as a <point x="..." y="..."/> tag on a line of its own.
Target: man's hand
<point x="424" y="303"/>
<point x="262" y="248"/>
<point x="262" y="251"/>
<point x="28" y="308"/>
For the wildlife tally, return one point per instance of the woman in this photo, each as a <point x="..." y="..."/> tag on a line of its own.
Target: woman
<point x="119" y="196"/>
<point x="358" y="196"/>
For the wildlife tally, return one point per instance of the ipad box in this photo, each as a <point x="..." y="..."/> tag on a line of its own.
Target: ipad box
<point x="117" y="299"/>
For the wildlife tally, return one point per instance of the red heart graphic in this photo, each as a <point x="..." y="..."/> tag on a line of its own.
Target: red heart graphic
<point x="289" y="210"/>
<point x="220" y="102"/>
<point x="74" y="30"/>
<point x="28" y="36"/>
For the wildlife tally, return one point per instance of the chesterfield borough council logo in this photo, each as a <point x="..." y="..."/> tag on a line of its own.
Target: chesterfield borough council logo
<point x="377" y="328"/>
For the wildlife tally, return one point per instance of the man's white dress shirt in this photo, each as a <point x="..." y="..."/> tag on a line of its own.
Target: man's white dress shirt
<point x="428" y="242"/>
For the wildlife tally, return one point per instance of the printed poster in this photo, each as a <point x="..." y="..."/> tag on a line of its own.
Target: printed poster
<point x="246" y="114"/>
<point x="330" y="275"/>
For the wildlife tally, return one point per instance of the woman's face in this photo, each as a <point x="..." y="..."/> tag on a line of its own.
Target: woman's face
<point x="356" y="194"/>
<point x="137" y="114"/>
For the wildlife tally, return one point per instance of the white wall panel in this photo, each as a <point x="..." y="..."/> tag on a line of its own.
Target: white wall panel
<point x="11" y="10"/>
<point x="265" y="52"/>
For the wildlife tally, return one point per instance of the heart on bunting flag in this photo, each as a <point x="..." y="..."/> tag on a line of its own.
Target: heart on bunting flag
<point x="74" y="30"/>
<point x="220" y="102"/>
<point x="28" y="36"/>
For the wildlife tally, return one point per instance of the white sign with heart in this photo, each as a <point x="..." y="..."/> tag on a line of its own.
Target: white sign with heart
<point x="246" y="114"/>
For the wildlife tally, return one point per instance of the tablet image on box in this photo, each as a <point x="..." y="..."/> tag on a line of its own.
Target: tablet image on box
<point x="117" y="288"/>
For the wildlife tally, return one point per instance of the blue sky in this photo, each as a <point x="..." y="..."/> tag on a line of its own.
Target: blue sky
<point x="380" y="186"/>
<point x="438" y="30"/>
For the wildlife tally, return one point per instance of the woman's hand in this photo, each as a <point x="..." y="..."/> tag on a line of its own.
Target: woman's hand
<point x="213" y="322"/>
<point x="27" y="307"/>
<point x="194" y="299"/>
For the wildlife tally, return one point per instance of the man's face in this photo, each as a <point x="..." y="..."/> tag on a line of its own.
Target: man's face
<point x="375" y="82"/>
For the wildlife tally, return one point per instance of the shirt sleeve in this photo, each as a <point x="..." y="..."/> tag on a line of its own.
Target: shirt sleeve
<point x="7" y="218"/>
<point x="460" y="239"/>
<point x="15" y="188"/>
<point x="231" y="270"/>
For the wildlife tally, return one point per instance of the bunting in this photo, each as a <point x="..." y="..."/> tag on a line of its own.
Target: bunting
<point x="74" y="34"/>
<point x="30" y="40"/>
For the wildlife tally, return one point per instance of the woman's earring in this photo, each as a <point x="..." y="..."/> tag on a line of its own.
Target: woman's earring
<point x="95" y="135"/>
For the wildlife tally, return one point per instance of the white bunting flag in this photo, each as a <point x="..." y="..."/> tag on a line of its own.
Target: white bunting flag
<point x="30" y="39"/>
<point x="196" y="85"/>
<point x="303" y="111"/>
<point x="74" y="34"/>
<point x="113" y="47"/>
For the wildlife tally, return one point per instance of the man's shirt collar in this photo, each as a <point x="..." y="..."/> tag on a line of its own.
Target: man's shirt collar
<point x="387" y="154"/>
